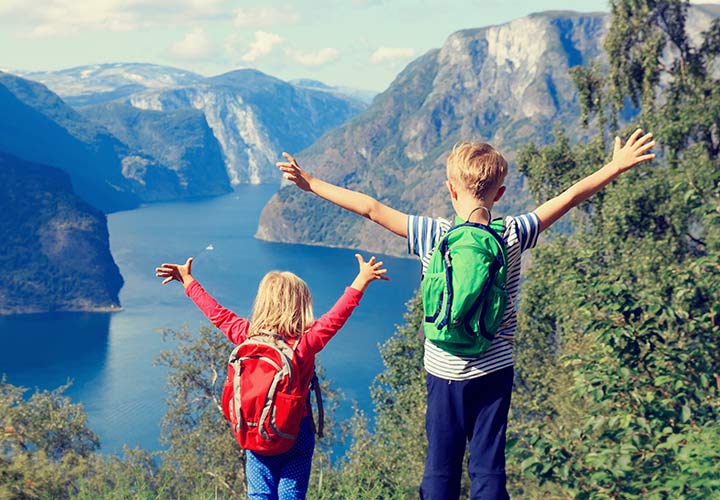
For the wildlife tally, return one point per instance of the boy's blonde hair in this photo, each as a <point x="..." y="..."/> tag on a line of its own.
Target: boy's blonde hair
<point x="283" y="306"/>
<point x="477" y="167"/>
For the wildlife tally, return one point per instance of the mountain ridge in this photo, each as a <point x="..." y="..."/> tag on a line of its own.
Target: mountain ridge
<point x="254" y="116"/>
<point x="45" y="130"/>
<point x="501" y="84"/>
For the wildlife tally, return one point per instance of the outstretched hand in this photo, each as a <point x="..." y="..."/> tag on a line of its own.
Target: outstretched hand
<point x="634" y="151"/>
<point x="176" y="272"/>
<point x="369" y="272"/>
<point x="292" y="172"/>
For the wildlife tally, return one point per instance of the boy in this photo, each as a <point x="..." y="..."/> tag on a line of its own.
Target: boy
<point x="469" y="396"/>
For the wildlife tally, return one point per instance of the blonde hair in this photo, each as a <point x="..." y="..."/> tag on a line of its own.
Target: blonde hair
<point x="476" y="166"/>
<point x="283" y="306"/>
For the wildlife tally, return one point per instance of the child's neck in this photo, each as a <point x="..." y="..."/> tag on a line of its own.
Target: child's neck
<point x="474" y="210"/>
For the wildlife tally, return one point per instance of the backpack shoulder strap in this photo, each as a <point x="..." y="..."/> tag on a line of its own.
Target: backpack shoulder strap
<point x="498" y="225"/>
<point x="315" y="387"/>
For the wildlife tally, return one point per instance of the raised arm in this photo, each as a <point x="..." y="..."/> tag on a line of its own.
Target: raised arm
<point x="634" y="152"/>
<point x="356" y="202"/>
<point x="329" y="323"/>
<point x="234" y="327"/>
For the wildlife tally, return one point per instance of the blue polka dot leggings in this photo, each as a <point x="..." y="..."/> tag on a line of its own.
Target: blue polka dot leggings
<point x="284" y="476"/>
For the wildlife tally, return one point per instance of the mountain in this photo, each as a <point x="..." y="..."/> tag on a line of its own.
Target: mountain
<point x="506" y="84"/>
<point x="101" y="83"/>
<point x="364" y="96"/>
<point x="181" y="141"/>
<point x="160" y="156"/>
<point x="255" y="117"/>
<point x="56" y="254"/>
<point x="38" y="126"/>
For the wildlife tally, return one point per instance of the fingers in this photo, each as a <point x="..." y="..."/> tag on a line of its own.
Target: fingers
<point x="380" y="274"/>
<point x="188" y="264"/>
<point x="288" y="168"/>
<point x="168" y="271"/>
<point x="373" y="266"/>
<point x="644" y="139"/>
<point x="289" y="165"/>
<point x="377" y="270"/>
<point x="291" y="162"/>
<point x="290" y="171"/>
<point x="645" y="147"/>
<point x="291" y="159"/>
<point x="633" y="137"/>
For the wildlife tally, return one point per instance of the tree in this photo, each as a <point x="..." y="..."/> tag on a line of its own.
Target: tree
<point x="624" y="402"/>
<point x="201" y="453"/>
<point x="45" y="446"/>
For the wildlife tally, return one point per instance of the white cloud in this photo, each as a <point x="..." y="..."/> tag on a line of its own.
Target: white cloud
<point x="195" y="45"/>
<point x="205" y="7"/>
<point x="230" y="43"/>
<point x="264" y="17"/>
<point x="9" y="6"/>
<point x="315" y="58"/>
<point x="52" y="18"/>
<point x="366" y="3"/>
<point x="261" y="46"/>
<point x="45" y="18"/>
<point x="392" y="54"/>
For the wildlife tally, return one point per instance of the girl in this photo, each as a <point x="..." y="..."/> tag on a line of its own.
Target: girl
<point x="283" y="306"/>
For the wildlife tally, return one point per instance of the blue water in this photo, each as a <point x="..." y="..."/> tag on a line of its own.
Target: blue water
<point x="109" y="357"/>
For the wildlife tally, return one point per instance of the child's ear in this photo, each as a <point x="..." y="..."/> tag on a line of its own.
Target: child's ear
<point x="453" y="193"/>
<point x="499" y="194"/>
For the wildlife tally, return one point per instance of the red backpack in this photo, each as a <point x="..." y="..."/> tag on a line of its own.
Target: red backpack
<point x="263" y="397"/>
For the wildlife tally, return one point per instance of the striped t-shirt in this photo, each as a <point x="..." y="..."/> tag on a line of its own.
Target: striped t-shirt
<point x="520" y="234"/>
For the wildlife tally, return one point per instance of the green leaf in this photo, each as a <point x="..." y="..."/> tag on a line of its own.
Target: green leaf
<point x="686" y="413"/>
<point x="528" y="463"/>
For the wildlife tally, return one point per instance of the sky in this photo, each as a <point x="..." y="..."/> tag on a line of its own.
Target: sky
<point x="362" y="44"/>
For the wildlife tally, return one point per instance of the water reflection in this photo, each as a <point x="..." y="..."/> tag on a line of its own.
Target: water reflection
<point x="45" y="350"/>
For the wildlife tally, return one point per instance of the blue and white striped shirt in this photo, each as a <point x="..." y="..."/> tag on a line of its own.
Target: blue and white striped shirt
<point x="520" y="234"/>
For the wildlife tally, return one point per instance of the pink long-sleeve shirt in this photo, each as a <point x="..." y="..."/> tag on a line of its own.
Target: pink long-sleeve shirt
<point x="311" y="342"/>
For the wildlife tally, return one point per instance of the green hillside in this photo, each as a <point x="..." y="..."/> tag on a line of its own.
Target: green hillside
<point x="56" y="253"/>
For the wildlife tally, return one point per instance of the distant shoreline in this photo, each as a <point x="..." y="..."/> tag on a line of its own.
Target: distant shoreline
<point x="31" y="311"/>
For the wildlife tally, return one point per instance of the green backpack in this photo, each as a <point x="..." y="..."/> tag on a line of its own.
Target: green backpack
<point x="463" y="289"/>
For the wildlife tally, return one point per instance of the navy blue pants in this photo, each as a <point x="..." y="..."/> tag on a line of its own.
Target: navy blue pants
<point x="468" y="411"/>
<point x="285" y="476"/>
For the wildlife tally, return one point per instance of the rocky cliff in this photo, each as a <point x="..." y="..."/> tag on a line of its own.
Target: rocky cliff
<point x="506" y="85"/>
<point x="255" y="117"/>
<point x="181" y="141"/>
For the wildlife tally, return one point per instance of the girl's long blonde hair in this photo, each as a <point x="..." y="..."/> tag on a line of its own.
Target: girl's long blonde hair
<point x="283" y="306"/>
